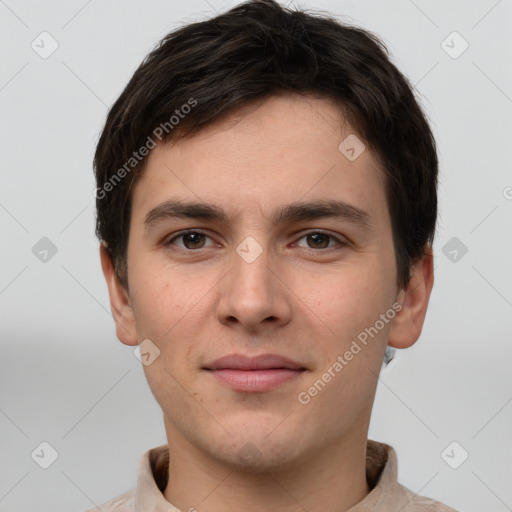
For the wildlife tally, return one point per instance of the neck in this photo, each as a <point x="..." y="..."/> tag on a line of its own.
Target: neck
<point x="330" y="480"/>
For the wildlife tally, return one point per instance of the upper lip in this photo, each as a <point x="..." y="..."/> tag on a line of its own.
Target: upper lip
<point x="261" y="362"/>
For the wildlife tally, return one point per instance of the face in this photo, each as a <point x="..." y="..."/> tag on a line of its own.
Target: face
<point x="261" y="267"/>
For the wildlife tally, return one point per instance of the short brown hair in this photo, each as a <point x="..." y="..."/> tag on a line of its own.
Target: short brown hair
<point x="254" y="51"/>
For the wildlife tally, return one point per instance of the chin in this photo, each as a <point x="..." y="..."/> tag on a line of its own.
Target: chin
<point x="254" y="457"/>
<point x="259" y="446"/>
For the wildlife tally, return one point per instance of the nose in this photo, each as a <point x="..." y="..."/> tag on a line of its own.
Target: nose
<point x="254" y="294"/>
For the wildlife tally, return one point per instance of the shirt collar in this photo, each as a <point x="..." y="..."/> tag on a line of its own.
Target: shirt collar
<point x="381" y="473"/>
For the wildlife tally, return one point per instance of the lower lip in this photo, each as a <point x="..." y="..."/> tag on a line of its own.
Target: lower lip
<point x="255" y="380"/>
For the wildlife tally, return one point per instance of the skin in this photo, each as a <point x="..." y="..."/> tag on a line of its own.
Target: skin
<point x="304" y="298"/>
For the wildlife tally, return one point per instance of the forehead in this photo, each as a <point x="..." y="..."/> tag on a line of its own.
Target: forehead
<point x="284" y="150"/>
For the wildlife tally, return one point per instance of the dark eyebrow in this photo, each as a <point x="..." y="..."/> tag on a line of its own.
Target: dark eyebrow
<point x="184" y="210"/>
<point x="322" y="209"/>
<point x="293" y="212"/>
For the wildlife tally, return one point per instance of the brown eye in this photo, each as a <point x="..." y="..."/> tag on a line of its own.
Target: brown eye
<point x="196" y="240"/>
<point x="321" y="240"/>
<point x="190" y="240"/>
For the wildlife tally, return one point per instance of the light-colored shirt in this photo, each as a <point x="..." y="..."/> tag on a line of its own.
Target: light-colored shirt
<point x="386" y="494"/>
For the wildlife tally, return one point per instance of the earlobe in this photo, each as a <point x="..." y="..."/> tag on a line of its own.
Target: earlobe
<point x="119" y="301"/>
<point x="408" y="323"/>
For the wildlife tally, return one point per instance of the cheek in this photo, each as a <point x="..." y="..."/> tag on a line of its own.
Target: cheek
<point x="167" y="316"/>
<point x="156" y="309"/>
<point x="170" y="311"/>
<point x="161" y="296"/>
<point x="346" y="301"/>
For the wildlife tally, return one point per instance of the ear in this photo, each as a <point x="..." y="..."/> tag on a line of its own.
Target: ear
<point x="119" y="301"/>
<point x="408" y="322"/>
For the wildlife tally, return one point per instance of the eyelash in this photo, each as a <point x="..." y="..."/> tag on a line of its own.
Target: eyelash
<point x="314" y="232"/>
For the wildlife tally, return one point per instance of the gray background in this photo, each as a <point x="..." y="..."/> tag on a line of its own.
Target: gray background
<point x="67" y="380"/>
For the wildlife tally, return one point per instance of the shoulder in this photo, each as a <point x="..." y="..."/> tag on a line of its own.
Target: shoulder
<point x="416" y="503"/>
<point x="122" y="503"/>
<point x="387" y="493"/>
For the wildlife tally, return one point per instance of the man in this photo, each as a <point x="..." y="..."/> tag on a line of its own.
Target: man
<point x="266" y="197"/>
